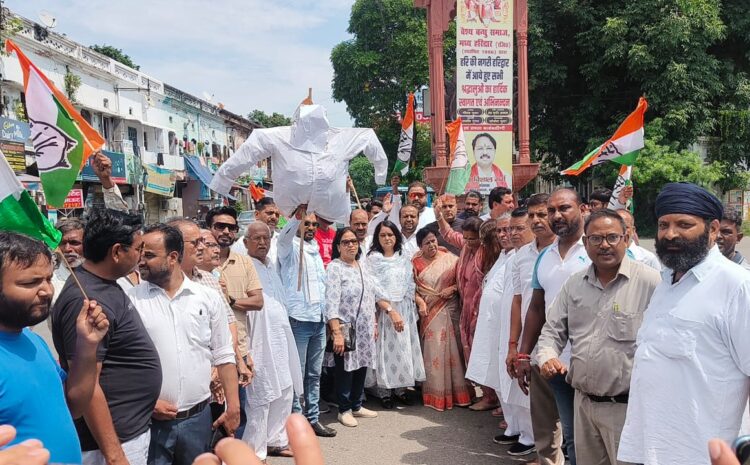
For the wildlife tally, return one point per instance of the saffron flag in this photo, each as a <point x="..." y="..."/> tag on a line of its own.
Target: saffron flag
<point x="622" y="147"/>
<point x="62" y="139"/>
<point x="406" y="143"/>
<point x="257" y="193"/>
<point x="18" y="211"/>
<point x="460" y="169"/>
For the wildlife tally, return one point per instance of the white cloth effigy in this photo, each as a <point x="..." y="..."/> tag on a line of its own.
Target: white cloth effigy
<point x="310" y="163"/>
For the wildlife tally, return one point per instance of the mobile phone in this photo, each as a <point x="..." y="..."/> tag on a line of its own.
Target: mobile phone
<point x="741" y="447"/>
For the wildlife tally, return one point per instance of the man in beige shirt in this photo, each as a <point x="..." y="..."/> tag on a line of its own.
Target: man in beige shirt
<point x="239" y="280"/>
<point x="599" y="310"/>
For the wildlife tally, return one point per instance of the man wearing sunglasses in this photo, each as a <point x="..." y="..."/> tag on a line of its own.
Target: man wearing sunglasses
<point x="416" y="195"/>
<point x="240" y="280"/>
<point x="305" y="305"/>
<point x="599" y="310"/>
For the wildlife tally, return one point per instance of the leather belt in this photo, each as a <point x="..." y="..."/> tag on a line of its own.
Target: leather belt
<point x="194" y="410"/>
<point x="621" y="399"/>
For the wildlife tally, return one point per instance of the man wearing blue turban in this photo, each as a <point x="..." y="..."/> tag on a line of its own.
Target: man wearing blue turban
<point x="690" y="375"/>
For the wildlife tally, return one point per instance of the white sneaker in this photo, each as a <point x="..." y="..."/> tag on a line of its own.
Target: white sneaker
<point x="347" y="419"/>
<point x="364" y="413"/>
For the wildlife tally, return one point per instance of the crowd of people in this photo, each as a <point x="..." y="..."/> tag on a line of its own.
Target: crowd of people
<point x="544" y="312"/>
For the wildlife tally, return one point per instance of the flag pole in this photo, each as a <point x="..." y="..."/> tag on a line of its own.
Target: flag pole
<point x="61" y="257"/>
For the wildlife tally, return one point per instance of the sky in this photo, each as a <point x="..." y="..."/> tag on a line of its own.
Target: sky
<point x="248" y="54"/>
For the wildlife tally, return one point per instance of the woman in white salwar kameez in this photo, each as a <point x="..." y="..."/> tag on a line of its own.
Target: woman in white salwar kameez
<point x="398" y="353"/>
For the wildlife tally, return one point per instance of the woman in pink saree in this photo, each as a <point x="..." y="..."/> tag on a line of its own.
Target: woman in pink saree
<point x="435" y="276"/>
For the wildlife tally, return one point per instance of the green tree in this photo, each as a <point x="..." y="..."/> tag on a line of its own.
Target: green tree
<point x="116" y="54"/>
<point x="590" y="61"/>
<point x="269" y="121"/>
<point x="384" y="61"/>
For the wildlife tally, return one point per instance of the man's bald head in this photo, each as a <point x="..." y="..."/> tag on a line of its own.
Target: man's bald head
<point x="358" y="221"/>
<point x="258" y="240"/>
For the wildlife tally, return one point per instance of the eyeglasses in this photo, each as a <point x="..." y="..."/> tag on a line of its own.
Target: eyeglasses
<point x="471" y="239"/>
<point x="417" y="195"/>
<point x="222" y="226"/>
<point x="314" y="224"/>
<point x="211" y="245"/>
<point x="348" y="242"/>
<point x="505" y="230"/>
<point x="195" y="243"/>
<point x="612" y="239"/>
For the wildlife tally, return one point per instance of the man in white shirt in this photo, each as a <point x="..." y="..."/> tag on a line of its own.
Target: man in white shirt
<point x="517" y="403"/>
<point x="277" y="366"/>
<point x="730" y="234"/>
<point x="416" y="195"/>
<point x="554" y="266"/>
<point x="690" y="377"/>
<point x="635" y="251"/>
<point x="188" y="325"/>
<point x="500" y="202"/>
<point x="306" y="308"/>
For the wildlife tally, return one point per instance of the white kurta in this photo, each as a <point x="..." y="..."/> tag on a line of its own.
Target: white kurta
<point x="644" y="256"/>
<point x="484" y="363"/>
<point x="311" y="173"/>
<point x="426" y="216"/>
<point x="690" y="377"/>
<point x="239" y="247"/>
<point x="271" y="343"/>
<point x="521" y="270"/>
<point x="398" y="356"/>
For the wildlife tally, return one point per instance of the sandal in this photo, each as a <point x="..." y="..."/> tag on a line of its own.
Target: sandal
<point x="273" y="451"/>
<point x="498" y="412"/>
<point x="387" y="402"/>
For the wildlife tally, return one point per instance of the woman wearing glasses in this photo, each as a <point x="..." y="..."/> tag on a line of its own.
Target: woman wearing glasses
<point x="351" y="298"/>
<point x="398" y="354"/>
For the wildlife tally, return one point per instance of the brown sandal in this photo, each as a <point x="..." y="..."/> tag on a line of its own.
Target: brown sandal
<point x="279" y="452"/>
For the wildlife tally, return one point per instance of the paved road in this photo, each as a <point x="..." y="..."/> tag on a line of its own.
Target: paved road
<point x="415" y="435"/>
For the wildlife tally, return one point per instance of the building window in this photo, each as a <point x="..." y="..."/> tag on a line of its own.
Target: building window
<point x="86" y="115"/>
<point x="170" y="120"/>
<point x="145" y="140"/>
<point x="106" y="103"/>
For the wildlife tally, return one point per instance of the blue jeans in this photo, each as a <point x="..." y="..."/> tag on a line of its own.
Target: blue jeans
<point x="350" y="385"/>
<point x="311" y="341"/>
<point x="179" y="442"/>
<point x="564" y="398"/>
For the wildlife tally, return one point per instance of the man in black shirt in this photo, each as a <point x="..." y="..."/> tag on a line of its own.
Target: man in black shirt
<point x="114" y="428"/>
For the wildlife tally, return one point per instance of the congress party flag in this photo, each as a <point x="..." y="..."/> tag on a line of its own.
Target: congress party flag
<point x="62" y="139"/>
<point x="406" y="143"/>
<point x="18" y="211"/>
<point x="460" y="169"/>
<point x="622" y="147"/>
<point x="623" y="181"/>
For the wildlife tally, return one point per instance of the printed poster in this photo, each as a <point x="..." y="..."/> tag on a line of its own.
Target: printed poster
<point x="484" y="61"/>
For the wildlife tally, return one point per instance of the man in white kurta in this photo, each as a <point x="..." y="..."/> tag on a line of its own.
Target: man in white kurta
<point x="277" y="366"/>
<point x="690" y="377"/>
<point x="310" y="162"/>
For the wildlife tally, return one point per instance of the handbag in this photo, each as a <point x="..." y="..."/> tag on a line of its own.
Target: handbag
<point x="347" y="329"/>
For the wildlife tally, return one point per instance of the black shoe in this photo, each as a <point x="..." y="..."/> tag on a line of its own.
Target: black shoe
<point x="505" y="440"/>
<point x="324" y="408"/>
<point x="387" y="402"/>
<point x="519" y="449"/>
<point x="404" y="399"/>
<point x="323" y="431"/>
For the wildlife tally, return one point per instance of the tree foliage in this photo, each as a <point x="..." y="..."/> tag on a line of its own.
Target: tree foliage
<point x="116" y="54"/>
<point x="589" y="62"/>
<point x="269" y="121"/>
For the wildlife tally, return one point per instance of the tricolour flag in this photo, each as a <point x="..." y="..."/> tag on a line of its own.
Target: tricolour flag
<point x="62" y="139"/>
<point x="622" y="147"/>
<point x="406" y="145"/>
<point x="19" y="213"/>
<point x="623" y="180"/>
<point x="460" y="169"/>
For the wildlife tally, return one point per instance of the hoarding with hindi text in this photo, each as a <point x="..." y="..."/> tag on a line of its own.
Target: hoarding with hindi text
<point x="484" y="63"/>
